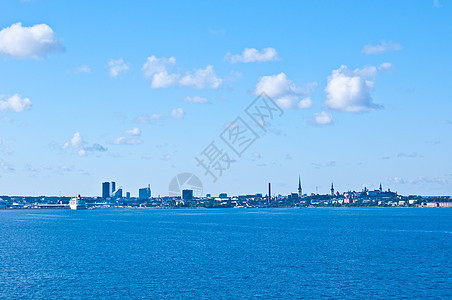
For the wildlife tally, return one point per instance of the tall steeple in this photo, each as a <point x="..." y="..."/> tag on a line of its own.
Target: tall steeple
<point x="381" y="190"/>
<point x="300" y="190"/>
<point x="332" y="189"/>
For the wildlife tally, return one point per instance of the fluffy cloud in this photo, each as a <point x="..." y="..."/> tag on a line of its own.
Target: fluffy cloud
<point x="75" y="142"/>
<point x="349" y="91"/>
<point x="28" y="42"/>
<point x="202" y="78"/>
<point x="323" y="118"/>
<point x="134" y="131"/>
<point x="83" y="69"/>
<point x="95" y="148"/>
<point x="14" y="103"/>
<point x="147" y="119"/>
<point x="157" y="69"/>
<point x="381" y="48"/>
<point x="177" y="113"/>
<point x="156" y="65"/>
<point x="127" y="141"/>
<point x="250" y="55"/>
<point x="285" y="93"/>
<point x="196" y="99"/>
<point x="305" y="103"/>
<point x="6" y="167"/>
<point x="117" y="66"/>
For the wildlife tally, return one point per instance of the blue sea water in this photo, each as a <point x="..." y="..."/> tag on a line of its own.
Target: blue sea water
<point x="226" y="253"/>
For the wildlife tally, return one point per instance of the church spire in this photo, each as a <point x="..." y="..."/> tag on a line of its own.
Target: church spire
<point x="300" y="190"/>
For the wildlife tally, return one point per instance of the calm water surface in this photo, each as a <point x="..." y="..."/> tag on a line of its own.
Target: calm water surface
<point x="226" y="253"/>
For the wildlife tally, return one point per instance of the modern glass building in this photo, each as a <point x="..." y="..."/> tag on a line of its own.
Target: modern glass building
<point x="105" y="190"/>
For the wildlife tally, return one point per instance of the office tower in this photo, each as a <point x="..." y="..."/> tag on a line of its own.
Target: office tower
<point x="117" y="193"/>
<point x="128" y="195"/>
<point x="187" y="195"/>
<point x="144" y="193"/>
<point x="106" y="190"/>
<point x="113" y="187"/>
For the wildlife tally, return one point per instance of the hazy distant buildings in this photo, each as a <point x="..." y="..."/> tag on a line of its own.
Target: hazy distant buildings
<point x="106" y="190"/>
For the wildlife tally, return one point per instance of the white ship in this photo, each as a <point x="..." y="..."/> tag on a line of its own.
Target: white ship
<point x="77" y="203"/>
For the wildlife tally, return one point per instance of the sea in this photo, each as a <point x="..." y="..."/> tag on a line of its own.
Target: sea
<point x="279" y="253"/>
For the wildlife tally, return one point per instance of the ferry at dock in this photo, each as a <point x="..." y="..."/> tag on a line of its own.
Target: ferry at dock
<point x="77" y="203"/>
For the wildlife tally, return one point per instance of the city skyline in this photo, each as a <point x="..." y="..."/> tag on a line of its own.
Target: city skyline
<point x="137" y="95"/>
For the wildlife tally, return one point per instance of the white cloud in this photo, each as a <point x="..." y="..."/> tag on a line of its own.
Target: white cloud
<point x="323" y="118"/>
<point x="349" y="91"/>
<point x="177" y="113"/>
<point x="95" y="148"/>
<point x="81" y="152"/>
<point x="305" y="103"/>
<point x="6" y="167"/>
<point x="15" y="103"/>
<point x="381" y="48"/>
<point x="436" y="3"/>
<point x="256" y="155"/>
<point x="196" y="99"/>
<point x="156" y="65"/>
<point x="127" y="141"/>
<point x="28" y="42"/>
<point x="202" y="78"/>
<point x="157" y="69"/>
<point x="250" y="55"/>
<point x="74" y="142"/>
<point x="83" y="69"/>
<point x="134" y="131"/>
<point x="117" y="66"/>
<point x="164" y="80"/>
<point x="284" y="92"/>
<point x="146" y="119"/>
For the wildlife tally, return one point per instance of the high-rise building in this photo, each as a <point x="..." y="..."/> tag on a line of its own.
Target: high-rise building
<point x="187" y="195"/>
<point x="144" y="193"/>
<point x="300" y="190"/>
<point x="128" y="195"/>
<point x="117" y="193"/>
<point x="113" y="188"/>
<point x="105" y="190"/>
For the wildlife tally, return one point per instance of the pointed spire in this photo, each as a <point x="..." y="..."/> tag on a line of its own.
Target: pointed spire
<point x="299" y="182"/>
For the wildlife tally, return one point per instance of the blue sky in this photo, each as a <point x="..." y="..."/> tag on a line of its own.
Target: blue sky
<point x="133" y="91"/>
